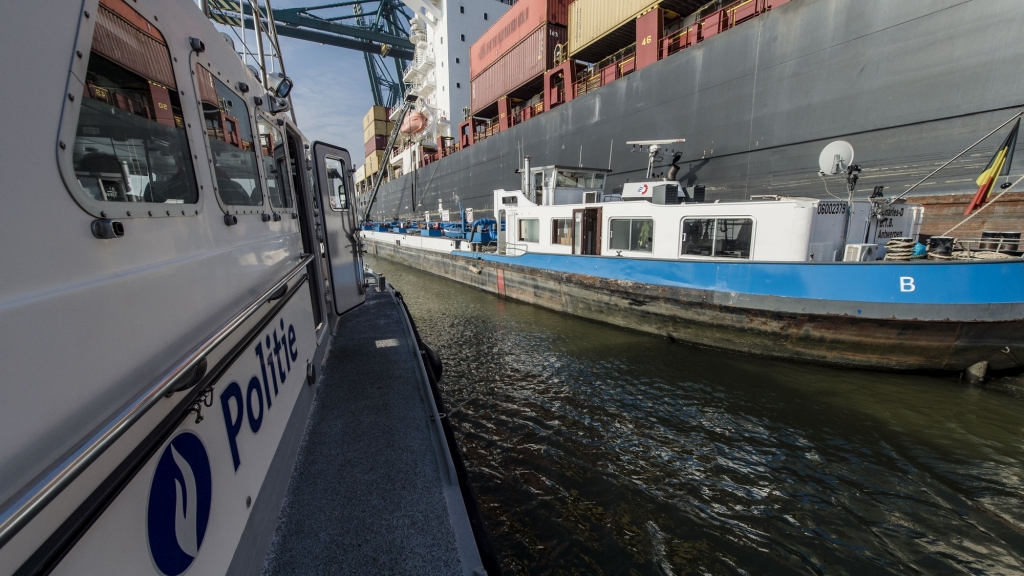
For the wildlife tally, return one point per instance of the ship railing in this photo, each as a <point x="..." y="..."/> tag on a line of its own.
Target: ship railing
<point x="720" y="20"/>
<point x="1007" y="245"/>
<point x="607" y="70"/>
<point x="515" y="249"/>
<point x="526" y="110"/>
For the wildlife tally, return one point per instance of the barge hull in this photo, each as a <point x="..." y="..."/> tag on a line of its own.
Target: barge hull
<point x="699" y="317"/>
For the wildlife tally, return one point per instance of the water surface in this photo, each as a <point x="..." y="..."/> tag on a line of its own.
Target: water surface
<point x="598" y="450"/>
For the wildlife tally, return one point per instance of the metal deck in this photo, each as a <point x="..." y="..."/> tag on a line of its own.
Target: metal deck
<point x="374" y="489"/>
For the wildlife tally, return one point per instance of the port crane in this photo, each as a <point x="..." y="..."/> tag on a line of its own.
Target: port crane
<point x="377" y="28"/>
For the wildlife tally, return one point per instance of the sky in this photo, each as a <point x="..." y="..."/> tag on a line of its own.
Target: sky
<point x="331" y="93"/>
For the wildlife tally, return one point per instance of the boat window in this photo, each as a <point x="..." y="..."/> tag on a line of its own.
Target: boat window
<point x="633" y="234"/>
<point x="733" y="237"/>
<point x="698" y="236"/>
<point x="529" y="230"/>
<point x="561" y="231"/>
<point x="336" y="183"/>
<point x="274" y="163"/>
<point x="572" y="179"/>
<point x="717" y="237"/>
<point x="130" y="143"/>
<point x="229" y="133"/>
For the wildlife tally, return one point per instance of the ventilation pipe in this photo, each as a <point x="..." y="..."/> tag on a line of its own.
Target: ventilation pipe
<point x="527" y="191"/>
<point x="673" y="172"/>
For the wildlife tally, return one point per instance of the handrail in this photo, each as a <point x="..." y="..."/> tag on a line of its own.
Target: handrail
<point x="61" y="474"/>
<point x="521" y="248"/>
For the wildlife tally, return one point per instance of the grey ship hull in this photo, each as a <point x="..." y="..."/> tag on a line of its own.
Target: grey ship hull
<point x="909" y="84"/>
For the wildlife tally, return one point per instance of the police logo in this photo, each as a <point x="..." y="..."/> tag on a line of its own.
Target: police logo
<point x="179" y="504"/>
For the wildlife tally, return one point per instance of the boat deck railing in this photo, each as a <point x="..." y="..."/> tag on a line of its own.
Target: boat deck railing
<point x="514" y="249"/>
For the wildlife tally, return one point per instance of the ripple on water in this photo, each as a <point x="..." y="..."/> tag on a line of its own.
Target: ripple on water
<point x="597" y="450"/>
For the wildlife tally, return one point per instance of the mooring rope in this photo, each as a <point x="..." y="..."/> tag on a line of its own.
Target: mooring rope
<point x="899" y="249"/>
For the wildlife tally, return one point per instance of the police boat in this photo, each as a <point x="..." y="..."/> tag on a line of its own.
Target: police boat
<point x="182" y="284"/>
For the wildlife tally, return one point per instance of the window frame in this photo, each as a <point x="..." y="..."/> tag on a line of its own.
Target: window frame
<point x="554" y="229"/>
<point x="519" y="229"/>
<point x="344" y="180"/>
<point x="713" y="256"/>
<point x="71" y="114"/>
<point x="630" y="219"/>
<point x="280" y="127"/>
<point x="250" y="107"/>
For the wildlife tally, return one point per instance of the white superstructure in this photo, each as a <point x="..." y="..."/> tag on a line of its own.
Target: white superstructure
<point x="442" y="32"/>
<point x="565" y="211"/>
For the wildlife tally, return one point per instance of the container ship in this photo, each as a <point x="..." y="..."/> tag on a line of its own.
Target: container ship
<point x="755" y="87"/>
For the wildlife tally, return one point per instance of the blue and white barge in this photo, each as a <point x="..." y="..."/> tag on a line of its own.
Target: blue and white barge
<point x="797" y="278"/>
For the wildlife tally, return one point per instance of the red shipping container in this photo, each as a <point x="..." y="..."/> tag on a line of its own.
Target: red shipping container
<point x="379" y="142"/>
<point x="527" y="61"/>
<point x="521" y="20"/>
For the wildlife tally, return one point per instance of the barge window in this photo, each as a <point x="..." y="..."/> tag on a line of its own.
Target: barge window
<point x="275" y="163"/>
<point x="561" y="231"/>
<point x="336" y="183"/>
<point x="529" y="230"/>
<point x="569" y="179"/>
<point x="229" y="133"/>
<point x="130" y="143"/>
<point x="717" y="237"/>
<point x="633" y="234"/>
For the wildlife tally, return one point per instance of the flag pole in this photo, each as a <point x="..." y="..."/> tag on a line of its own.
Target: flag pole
<point x="934" y="172"/>
<point x="983" y="206"/>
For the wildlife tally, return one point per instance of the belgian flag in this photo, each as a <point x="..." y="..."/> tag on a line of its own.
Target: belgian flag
<point x="998" y="166"/>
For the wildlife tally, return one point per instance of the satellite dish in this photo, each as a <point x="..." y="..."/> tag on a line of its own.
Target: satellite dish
<point x="836" y="157"/>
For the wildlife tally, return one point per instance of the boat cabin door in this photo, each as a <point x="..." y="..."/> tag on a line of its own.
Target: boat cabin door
<point x="334" y="183"/>
<point x="500" y="225"/>
<point x="586" y="231"/>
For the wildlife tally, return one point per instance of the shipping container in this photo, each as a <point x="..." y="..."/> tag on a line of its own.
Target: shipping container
<point x="125" y="38"/>
<point x="378" y="142"/>
<point x="591" y="20"/>
<point x="377" y="128"/>
<point x="373" y="163"/>
<point x="521" y="20"/>
<point x="527" y="61"/>
<point x="376" y="113"/>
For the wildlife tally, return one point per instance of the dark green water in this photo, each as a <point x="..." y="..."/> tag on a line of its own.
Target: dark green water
<point x="597" y="450"/>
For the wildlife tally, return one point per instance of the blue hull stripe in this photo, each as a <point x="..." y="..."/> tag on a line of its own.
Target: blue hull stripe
<point x="922" y="282"/>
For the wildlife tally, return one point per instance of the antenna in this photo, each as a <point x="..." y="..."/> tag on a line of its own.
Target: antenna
<point x="653" y="150"/>
<point x="610" y="144"/>
<point x="835" y="158"/>
<point x="581" y="155"/>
